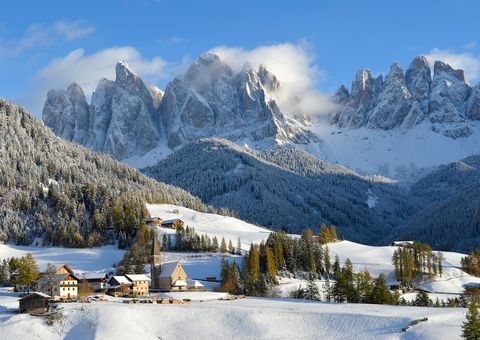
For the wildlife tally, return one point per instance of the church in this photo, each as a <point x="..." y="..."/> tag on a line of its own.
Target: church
<point x="168" y="276"/>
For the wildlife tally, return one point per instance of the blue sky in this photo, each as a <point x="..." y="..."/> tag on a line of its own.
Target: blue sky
<point x="47" y="44"/>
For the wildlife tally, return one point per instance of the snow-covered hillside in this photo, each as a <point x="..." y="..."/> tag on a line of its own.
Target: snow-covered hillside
<point x="211" y="224"/>
<point x="374" y="258"/>
<point x="80" y="259"/>
<point x="402" y="154"/>
<point x="251" y="318"/>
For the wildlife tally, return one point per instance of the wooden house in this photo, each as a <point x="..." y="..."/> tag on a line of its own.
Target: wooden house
<point x="119" y="285"/>
<point x="36" y="302"/>
<point x="96" y="282"/>
<point x="58" y="286"/>
<point x="172" y="277"/>
<point x="153" y="221"/>
<point x="139" y="283"/>
<point x="172" y="224"/>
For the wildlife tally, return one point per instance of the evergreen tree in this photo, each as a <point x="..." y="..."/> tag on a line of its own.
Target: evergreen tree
<point x="238" y="251"/>
<point x="230" y="247"/>
<point x="422" y="299"/>
<point x="471" y="327"/>
<point x="311" y="291"/>
<point x="223" y="247"/>
<point x="328" y="265"/>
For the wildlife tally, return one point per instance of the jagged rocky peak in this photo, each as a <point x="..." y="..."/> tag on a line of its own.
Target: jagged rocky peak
<point x="404" y="100"/>
<point x="418" y="79"/>
<point x="365" y="89"/>
<point x="121" y="120"/>
<point x="211" y="100"/>
<point x="448" y="95"/>
<point x="66" y="112"/>
<point x="394" y="102"/>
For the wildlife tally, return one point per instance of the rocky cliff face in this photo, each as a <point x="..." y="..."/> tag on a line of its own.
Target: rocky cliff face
<point x="125" y="118"/>
<point x="406" y="99"/>
<point x="121" y="119"/>
<point x="211" y="100"/>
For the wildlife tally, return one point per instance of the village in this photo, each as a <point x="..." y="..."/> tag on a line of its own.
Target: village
<point x="62" y="284"/>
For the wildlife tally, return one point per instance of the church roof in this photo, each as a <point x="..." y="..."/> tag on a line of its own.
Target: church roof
<point x="167" y="269"/>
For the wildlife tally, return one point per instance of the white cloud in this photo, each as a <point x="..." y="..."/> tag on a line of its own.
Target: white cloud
<point x="72" y="30"/>
<point x="88" y="69"/>
<point x="465" y="61"/>
<point x="38" y="35"/>
<point x="293" y="65"/>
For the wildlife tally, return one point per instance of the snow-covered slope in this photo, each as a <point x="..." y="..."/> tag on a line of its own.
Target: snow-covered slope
<point x="374" y="258"/>
<point x="401" y="154"/>
<point x="211" y="224"/>
<point x="379" y="260"/>
<point x="242" y="319"/>
<point x="81" y="260"/>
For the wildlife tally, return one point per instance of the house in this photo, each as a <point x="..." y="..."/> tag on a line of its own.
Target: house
<point x="128" y="284"/>
<point x="119" y="286"/>
<point x="58" y="286"/>
<point x="172" y="224"/>
<point x="153" y="221"/>
<point x="172" y="277"/>
<point x="64" y="269"/>
<point x="96" y="282"/>
<point x="37" y="303"/>
<point x="401" y="243"/>
<point x="139" y="283"/>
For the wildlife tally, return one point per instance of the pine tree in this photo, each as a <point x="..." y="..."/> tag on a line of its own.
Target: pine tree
<point x="223" y="247"/>
<point x="328" y="264"/>
<point x="311" y="291"/>
<point x="230" y="247"/>
<point x="214" y="244"/>
<point x="471" y="327"/>
<point x="239" y="247"/>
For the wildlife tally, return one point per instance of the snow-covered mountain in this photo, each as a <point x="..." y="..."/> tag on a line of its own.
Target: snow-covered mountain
<point x="121" y="120"/>
<point x="286" y="188"/>
<point x="126" y="119"/>
<point x="405" y="99"/>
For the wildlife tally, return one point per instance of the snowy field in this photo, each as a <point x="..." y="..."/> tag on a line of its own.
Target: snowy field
<point x="81" y="260"/>
<point x="251" y="318"/>
<point x="211" y="224"/>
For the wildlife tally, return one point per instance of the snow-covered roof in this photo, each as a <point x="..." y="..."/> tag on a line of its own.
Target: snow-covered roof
<point x="167" y="269"/>
<point x="121" y="279"/>
<point x="90" y="276"/>
<point x="196" y="284"/>
<point x="36" y="293"/>
<point x="53" y="279"/>
<point x="180" y="283"/>
<point x="137" y="277"/>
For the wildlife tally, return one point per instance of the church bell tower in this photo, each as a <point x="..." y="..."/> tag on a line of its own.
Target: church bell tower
<point x="155" y="265"/>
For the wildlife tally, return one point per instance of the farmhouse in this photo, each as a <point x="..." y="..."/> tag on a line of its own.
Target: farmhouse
<point x="139" y="283"/>
<point x="128" y="284"/>
<point x="36" y="302"/>
<point x="172" y="277"/>
<point x="172" y="224"/>
<point x="152" y="221"/>
<point x="96" y="282"/>
<point x="59" y="286"/>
